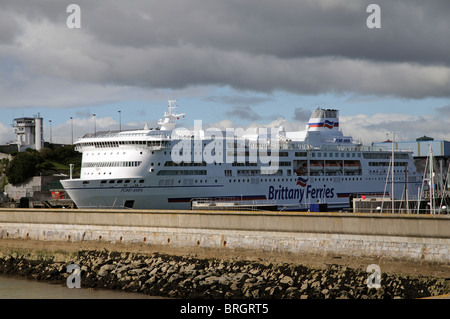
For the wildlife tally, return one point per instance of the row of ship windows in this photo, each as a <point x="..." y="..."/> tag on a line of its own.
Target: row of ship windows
<point x="378" y="171"/>
<point x="388" y="164"/>
<point x="244" y="172"/>
<point x="342" y="154"/>
<point x="162" y="182"/>
<point x="119" y="181"/>
<point x="268" y="180"/>
<point x="112" y="164"/>
<point x="118" y="143"/>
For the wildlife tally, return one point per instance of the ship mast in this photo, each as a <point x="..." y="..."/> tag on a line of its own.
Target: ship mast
<point x="170" y="116"/>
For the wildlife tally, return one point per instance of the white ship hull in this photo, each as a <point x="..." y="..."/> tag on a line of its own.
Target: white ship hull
<point x="285" y="195"/>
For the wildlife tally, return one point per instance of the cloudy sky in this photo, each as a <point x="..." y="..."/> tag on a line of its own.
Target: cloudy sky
<point x="231" y="63"/>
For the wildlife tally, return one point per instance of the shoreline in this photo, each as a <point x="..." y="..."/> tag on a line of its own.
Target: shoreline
<point x="398" y="266"/>
<point x="194" y="272"/>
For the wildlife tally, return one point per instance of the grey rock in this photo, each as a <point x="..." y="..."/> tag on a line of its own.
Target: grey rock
<point x="287" y="280"/>
<point x="105" y="269"/>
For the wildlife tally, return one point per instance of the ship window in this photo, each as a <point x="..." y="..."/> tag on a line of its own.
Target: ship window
<point x="141" y="181"/>
<point x="119" y="181"/>
<point x="111" y="181"/>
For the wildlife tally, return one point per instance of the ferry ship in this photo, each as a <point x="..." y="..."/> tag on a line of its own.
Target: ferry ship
<point x="168" y="167"/>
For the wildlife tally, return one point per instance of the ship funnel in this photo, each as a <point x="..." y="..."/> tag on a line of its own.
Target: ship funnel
<point x="324" y="120"/>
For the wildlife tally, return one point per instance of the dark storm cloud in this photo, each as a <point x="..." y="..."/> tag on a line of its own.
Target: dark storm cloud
<point x="411" y="30"/>
<point x="305" y="47"/>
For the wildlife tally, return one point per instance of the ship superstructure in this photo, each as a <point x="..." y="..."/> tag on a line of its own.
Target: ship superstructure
<point x="169" y="168"/>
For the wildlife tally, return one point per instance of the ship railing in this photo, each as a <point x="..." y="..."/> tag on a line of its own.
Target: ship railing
<point x="383" y="204"/>
<point x="388" y="147"/>
<point x="232" y="204"/>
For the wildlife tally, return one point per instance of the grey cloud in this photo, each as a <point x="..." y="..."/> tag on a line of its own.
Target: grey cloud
<point x="307" y="47"/>
<point x="9" y="27"/>
<point x="243" y="112"/>
<point x="443" y="110"/>
<point x="301" y="115"/>
<point x="411" y="30"/>
<point x="239" y="99"/>
<point x="86" y="114"/>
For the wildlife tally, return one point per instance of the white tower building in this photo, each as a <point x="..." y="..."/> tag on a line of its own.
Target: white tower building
<point x="29" y="132"/>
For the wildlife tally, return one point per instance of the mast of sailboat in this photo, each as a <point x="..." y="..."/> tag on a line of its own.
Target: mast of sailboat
<point x="431" y="182"/>
<point x="406" y="189"/>
<point x="392" y="173"/>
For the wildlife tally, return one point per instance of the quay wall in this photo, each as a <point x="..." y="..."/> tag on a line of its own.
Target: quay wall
<point x="399" y="236"/>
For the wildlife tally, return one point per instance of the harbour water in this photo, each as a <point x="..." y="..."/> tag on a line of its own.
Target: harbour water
<point x="19" y="288"/>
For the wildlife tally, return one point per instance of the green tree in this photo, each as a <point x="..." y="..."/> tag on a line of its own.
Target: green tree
<point x="23" y="166"/>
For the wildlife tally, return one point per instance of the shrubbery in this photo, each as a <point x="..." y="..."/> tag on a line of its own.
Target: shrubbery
<point x="25" y="165"/>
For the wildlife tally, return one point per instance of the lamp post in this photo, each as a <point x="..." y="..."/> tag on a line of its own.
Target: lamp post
<point x="71" y="127"/>
<point x="95" y="129"/>
<point x="50" y="121"/>
<point x="120" y="121"/>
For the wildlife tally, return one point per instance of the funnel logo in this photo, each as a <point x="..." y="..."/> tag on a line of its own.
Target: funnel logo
<point x="329" y="124"/>
<point x="302" y="181"/>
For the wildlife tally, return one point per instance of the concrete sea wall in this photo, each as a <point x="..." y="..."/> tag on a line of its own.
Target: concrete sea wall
<point x="410" y="237"/>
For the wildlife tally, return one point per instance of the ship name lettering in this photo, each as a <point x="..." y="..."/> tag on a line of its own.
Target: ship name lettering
<point x="283" y="192"/>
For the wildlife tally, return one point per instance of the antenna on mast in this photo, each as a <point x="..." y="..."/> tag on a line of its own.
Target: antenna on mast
<point x="170" y="116"/>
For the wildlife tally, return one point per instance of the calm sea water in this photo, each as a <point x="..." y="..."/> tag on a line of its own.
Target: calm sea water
<point x="18" y="288"/>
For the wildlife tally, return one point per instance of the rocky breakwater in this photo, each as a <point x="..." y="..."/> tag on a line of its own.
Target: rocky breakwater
<point x="189" y="277"/>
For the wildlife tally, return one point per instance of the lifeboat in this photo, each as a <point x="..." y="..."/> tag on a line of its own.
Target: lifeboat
<point x="315" y="166"/>
<point x="332" y="166"/>
<point x="351" y="166"/>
